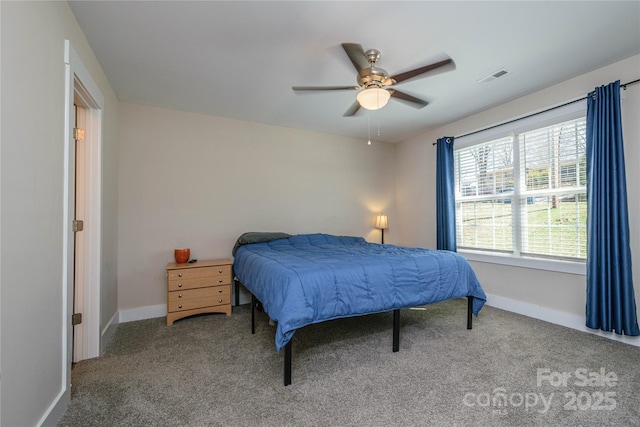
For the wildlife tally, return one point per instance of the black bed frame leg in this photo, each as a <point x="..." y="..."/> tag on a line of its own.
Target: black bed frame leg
<point x="469" y="312"/>
<point x="287" y="363"/>
<point x="236" y="285"/>
<point x="396" y="330"/>
<point x="253" y="314"/>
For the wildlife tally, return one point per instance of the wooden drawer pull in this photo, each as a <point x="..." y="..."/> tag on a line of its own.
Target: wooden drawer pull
<point x="179" y="274"/>
<point x="179" y="285"/>
<point x="219" y="291"/>
<point x="220" y="271"/>
<point x="180" y="306"/>
<point x="179" y="295"/>
<point x="219" y="300"/>
<point x="220" y="281"/>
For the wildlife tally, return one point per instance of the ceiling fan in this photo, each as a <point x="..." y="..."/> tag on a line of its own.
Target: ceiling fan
<point x="375" y="84"/>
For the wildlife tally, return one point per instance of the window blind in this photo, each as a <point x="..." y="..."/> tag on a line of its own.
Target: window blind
<point x="553" y="161"/>
<point x="524" y="193"/>
<point x="484" y="184"/>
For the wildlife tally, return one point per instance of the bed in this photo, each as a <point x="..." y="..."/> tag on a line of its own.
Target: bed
<point x="310" y="278"/>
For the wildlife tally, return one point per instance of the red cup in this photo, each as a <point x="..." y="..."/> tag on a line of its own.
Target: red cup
<point x="182" y="255"/>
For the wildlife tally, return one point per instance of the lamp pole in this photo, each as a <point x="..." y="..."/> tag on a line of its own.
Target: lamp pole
<point x="382" y="222"/>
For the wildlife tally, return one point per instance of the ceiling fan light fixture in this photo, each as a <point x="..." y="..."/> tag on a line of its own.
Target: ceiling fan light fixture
<point x="373" y="98"/>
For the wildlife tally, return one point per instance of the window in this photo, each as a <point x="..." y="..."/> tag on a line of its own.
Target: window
<point x="524" y="193"/>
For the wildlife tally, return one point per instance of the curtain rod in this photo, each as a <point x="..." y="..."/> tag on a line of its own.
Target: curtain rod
<point x="623" y="86"/>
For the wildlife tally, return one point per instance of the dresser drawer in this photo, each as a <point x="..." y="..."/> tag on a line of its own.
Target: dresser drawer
<point x="190" y="304"/>
<point x="211" y="291"/>
<point x="198" y="282"/>
<point x="192" y="273"/>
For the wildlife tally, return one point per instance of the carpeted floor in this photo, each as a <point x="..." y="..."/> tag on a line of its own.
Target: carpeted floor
<point x="209" y="370"/>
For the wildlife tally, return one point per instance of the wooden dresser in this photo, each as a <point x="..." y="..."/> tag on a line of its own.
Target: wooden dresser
<point x="200" y="287"/>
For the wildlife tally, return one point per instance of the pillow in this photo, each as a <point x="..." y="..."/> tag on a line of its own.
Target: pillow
<point x="258" y="237"/>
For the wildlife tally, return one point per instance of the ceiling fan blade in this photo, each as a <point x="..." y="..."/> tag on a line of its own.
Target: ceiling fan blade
<point x="352" y="110"/>
<point x="411" y="100"/>
<point x="355" y="52"/>
<point x="437" y="68"/>
<point x="311" y="88"/>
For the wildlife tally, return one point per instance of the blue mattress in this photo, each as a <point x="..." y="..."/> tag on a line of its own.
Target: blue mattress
<point x="310" y="278"/>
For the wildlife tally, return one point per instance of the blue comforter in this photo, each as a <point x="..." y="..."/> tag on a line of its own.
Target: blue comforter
<point x="310" y="278"/>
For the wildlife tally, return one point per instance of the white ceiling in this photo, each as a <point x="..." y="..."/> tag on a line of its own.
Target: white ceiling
<point x="239" y="59"/>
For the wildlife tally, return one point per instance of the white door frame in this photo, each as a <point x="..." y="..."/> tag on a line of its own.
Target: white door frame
<point x="79" y="84"/>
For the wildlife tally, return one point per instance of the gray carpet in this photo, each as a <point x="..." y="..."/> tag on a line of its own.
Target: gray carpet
<point x="209" y="370"/>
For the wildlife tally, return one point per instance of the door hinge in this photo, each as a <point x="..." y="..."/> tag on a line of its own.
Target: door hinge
<point x="76" y="319"/>
<point x="78" y="134"/>
<point x="78" y="225"/>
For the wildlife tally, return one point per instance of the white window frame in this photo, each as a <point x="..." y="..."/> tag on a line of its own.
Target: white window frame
<point x="535" y="120"/>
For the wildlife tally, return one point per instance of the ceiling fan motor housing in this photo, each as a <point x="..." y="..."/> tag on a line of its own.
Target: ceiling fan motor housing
<point x="373" y="76"/>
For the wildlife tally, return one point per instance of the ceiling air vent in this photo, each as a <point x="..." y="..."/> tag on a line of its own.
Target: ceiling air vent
<point x="493" y="76"/>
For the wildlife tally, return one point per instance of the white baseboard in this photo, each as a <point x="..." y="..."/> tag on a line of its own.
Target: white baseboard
<point x="109" y="331"/>
<point x="554" y="316"/>
<point x="160" y="310"/>
<point x="56" y="410"/>
<point x="526" y="309"/>
<point x="142" y="313"/>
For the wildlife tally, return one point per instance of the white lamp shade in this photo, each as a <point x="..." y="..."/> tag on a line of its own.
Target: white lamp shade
<point x="381" y="222"/>
<point x="373" y="98"/>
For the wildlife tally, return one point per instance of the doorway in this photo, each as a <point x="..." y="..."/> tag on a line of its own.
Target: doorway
<point x="84" y="107"/>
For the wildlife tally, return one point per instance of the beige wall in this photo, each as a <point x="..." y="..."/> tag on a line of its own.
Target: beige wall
<point x="33" y="94"/>
<point x="179" y="179"/>
<point x="189" y="180"/>
<point x="415" y="190"/>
